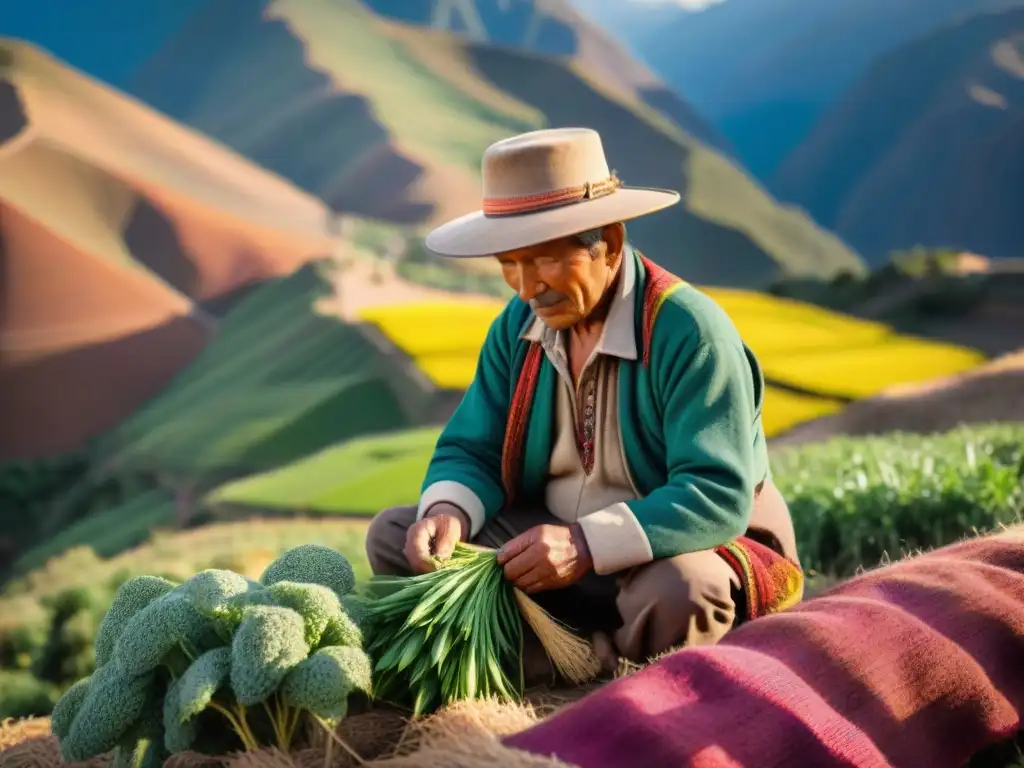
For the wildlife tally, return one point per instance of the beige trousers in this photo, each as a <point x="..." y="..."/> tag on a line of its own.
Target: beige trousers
<point x="690" y="599"/>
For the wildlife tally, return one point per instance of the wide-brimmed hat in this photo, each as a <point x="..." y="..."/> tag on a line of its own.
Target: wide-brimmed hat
<point x="541" y="186"/>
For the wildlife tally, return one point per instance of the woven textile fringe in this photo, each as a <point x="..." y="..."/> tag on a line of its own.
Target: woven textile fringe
<point x="771" y="582"/>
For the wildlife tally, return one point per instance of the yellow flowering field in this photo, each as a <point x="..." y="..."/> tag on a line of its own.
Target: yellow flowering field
<point x="862" y="371"/>
<point x="829" y="355"/>
<point x="443" y="328"/>
<point x="784" y="409"/>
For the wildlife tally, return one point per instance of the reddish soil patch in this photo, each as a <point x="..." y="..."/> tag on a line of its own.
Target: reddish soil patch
<point x="115" y="220"/>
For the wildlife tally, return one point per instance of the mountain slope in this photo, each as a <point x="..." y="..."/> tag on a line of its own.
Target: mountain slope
<point x="632" y="22"/>
<point x="115" y="222"/>
<point x="928" y="148"/>
<point x="401" y="140"/>
<point x="203" y="218"/>
<point x="765" y="72"/>
<point x="556" y="28"/>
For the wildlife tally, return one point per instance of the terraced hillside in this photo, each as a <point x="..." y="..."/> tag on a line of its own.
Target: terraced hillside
<point x="388" y="121"/>
<point x="815" y="361"/>
<point x="281" y="380"/>
<point x="556" y="28"/>
<point x="116" y="223"/>
<point x="927" y="149"/>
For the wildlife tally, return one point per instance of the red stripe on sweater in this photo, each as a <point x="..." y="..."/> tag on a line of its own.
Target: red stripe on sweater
<point x="660" y="284"/>
<point x="518" y="417"/>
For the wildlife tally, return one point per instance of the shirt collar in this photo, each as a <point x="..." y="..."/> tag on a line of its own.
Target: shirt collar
<point x="618" y="336"/>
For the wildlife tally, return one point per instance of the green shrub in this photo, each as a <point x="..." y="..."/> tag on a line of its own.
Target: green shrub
<point x="22" y="694"/>
<point x="856" y="501"/>
<point x="55" y="645"/>
<point x="75" y="616"/>
<point x="21" y="644"/>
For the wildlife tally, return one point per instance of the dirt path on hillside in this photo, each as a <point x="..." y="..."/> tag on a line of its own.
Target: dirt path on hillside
<point x="362" y="283"/>
<point x="992" y="392"/>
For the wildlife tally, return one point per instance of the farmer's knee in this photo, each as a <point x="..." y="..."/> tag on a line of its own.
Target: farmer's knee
<point x="684" y="600"/>
<point x="385" y="541"/>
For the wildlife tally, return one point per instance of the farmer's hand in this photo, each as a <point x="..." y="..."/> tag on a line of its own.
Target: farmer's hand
<point x="437" y="533"/>
<point x="546" y="557"/>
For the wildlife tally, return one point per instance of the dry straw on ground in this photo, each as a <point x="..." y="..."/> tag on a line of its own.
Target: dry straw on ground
<point x="29" y="744"/>
<point x="464" y="735"/>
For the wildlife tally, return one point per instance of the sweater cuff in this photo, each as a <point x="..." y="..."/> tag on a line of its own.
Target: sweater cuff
<point x="463" y="497"/>
<point x="616" y="539"/>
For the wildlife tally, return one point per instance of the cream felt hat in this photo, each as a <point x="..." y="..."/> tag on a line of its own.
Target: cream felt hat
<point x="541" y="186"/>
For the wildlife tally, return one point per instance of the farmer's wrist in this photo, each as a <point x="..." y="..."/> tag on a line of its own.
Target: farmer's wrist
<point x="579" y="541"/>
<point x="452" y="510"/>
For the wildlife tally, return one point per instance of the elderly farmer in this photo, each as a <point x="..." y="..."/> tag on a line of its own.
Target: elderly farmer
<point x="611" y="443"/>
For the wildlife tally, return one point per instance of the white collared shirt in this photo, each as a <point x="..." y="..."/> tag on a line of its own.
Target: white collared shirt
<point x="571" y="492"/>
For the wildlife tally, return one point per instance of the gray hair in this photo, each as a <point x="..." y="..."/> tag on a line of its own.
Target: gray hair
<point x="590" y="239"/>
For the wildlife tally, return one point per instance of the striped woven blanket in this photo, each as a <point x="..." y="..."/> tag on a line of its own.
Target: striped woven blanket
<point x="918" y="664"/>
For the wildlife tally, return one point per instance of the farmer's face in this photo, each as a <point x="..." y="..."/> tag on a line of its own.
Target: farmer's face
<point x="563" y="280"/>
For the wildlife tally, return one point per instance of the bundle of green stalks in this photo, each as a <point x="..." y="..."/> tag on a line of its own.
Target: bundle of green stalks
<point x="457" y="633"/>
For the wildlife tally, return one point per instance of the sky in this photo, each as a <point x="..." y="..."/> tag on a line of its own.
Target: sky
<point x="690" y="5"/>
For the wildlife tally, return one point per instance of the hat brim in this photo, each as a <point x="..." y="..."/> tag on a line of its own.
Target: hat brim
<point x="475" y="234"/>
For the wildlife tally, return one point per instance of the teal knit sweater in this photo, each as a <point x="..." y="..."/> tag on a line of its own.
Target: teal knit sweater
<point x="690" y="419"/>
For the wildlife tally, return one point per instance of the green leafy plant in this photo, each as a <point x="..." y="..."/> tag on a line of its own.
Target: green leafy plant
<point x="856" y="501"/>
<point x="457" y="633"/>
<point x="175" y="663"/>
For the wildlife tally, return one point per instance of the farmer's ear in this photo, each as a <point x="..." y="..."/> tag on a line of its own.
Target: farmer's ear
<point x="614" y="236"/>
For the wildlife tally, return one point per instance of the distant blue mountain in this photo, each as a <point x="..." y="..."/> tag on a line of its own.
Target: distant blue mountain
<point x="108" y="39"/>
<point x="764" y="72"/>
<point x="521" y="23"/>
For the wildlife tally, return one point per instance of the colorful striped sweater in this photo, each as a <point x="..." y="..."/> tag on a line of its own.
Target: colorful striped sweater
<point x="689" y="416"/>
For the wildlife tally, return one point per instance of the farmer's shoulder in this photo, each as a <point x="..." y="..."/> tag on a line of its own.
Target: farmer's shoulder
<point x="689" y="317"/>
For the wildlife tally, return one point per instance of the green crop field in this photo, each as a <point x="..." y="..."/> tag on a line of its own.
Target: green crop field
<point x="359" y="477"/>
<point x="857" y="501"/>
<point x="854" y="500"/>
